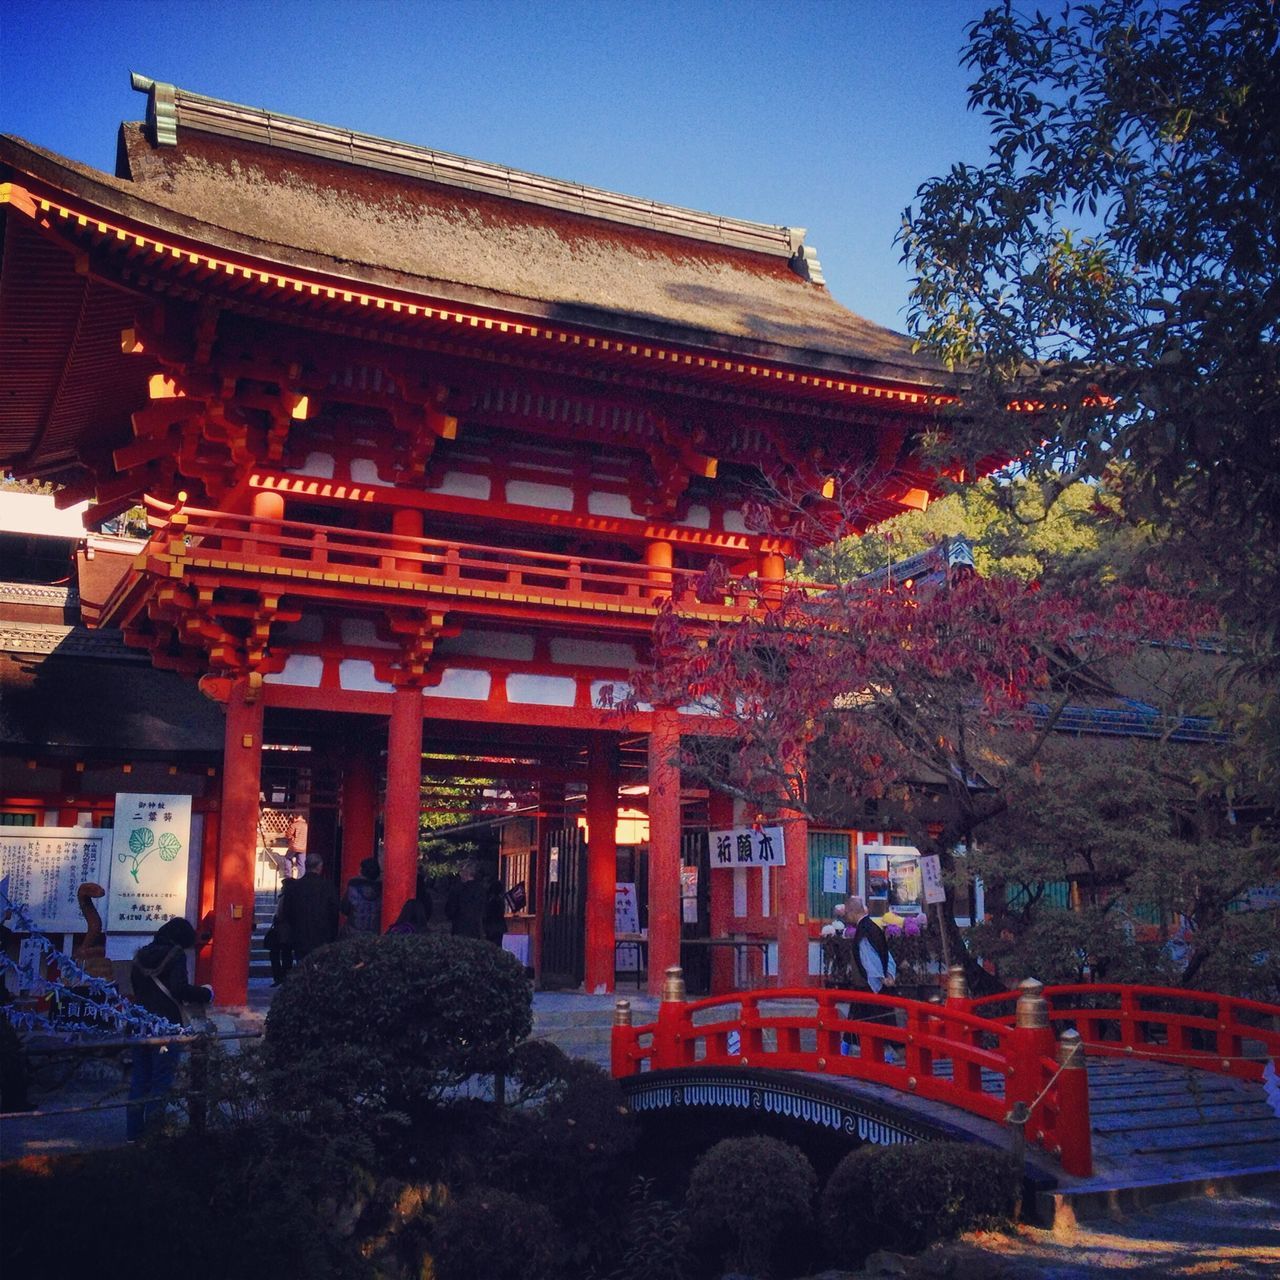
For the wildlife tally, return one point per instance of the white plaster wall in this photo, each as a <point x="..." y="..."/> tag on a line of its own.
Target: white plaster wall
<point x="357" y="675"/>
<point x="550" y="497"/>
<point x="301" y="669"/>
<point x="461" y="682"/>
<point x="541" y="691"/>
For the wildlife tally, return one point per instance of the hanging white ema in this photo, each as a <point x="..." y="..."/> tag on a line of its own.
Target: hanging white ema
<point x="748" y="847"/>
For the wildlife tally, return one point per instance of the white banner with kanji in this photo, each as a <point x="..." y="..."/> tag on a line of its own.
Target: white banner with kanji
<point x="748" y="847"/>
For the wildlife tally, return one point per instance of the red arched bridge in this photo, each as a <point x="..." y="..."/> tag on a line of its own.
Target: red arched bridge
<point x="1037" y="1058"/>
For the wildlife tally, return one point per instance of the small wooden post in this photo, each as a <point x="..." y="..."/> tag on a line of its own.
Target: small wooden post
<point x="1031" y="1041"/>
<point x="669" y="1050"/>
<point x="622" y="1041"/>
<point x="1074" y="1134"/>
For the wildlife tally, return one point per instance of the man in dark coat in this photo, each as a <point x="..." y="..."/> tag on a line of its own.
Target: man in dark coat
<point x="466" y="904"/>
<point x="161" y="986"/>
<point x="308" y="909"/>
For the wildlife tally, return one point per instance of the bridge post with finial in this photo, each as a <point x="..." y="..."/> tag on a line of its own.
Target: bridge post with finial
<point x="1030" y="1042"/>
<point x="672" y="1046"/>
<point x="1074" y="1135"/>
<point x="622" y="1041"/>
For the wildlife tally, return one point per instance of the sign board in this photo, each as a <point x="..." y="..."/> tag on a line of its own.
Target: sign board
<point x="748" y="847"/>
<point x="553" y="864"/>
<point x="931" y="874"/>
<point x="151" y="852"/>
<point x="835" y="875"/>
<point x="689" y="895"/>
<point x="626" y="909"/>
<point x="46" y="865"/>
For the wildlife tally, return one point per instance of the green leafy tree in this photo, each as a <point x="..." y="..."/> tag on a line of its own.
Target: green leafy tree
<point x="1113" y="269"/>
<point x="1012" y="534"/>
<point x="1113" y="858"/>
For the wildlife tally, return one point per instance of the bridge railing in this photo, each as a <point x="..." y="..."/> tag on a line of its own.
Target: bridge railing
<point x="1225" y="1034"/>
<point x="940" y="1052"/>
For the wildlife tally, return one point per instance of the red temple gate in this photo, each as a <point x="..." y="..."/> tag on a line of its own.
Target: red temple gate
<point x="426" y="446"/>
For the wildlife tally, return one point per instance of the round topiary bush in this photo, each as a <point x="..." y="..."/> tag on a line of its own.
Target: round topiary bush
<point x="495" y="1235"/>
<point x="750" y="1203"/>
<point x="394" y="1023"/>
<point x="907" y="1197"/>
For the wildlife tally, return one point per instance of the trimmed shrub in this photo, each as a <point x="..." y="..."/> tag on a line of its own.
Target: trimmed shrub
<point x="907" y="1197"/>
<point x="210" y="1207"/>
<point x="750" y="1204"/>
<point x="655" y="1238"/>
<point x="393" y="1024"/>
<point x="571" y="1152"/>
<point x="495" y="1235"/>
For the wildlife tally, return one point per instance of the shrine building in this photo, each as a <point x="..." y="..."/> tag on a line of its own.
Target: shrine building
<point x="426" y="445"/>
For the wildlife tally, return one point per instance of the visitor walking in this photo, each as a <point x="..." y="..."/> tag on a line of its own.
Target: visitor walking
<point x="309" y="909"/>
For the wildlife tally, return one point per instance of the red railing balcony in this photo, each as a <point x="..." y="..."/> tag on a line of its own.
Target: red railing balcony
<point x="236" y="544"/>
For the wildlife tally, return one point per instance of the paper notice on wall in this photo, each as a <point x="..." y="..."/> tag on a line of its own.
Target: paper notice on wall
<point x="835" y="875"/>
<point x="45" y="866"/>
<point x="626" y="909"/>
<point x="689" y="895"/>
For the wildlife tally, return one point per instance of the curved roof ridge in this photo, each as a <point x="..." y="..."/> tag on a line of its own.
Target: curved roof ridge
<point x="170" y="108"/>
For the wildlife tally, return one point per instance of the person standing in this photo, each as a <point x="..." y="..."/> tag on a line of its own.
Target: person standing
<point x="466" y="904"/>
<point x="161" y="985"/>
<point x="309" y="909"/>
<point x="361" y="905"/>
<point x="874" y="968"/>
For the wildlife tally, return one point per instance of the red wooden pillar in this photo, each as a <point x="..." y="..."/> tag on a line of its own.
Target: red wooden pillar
<point x="359" y="808"/>
<point x="793" y="904"/>
<point x="209" y="887"/>
<point x="602" y="861"/>
<point x="268" y="505"/>
<point x="407" y="522"/>
<point x="659" y="557"/>
<point x="664" y="847"/>
<point x="771" y="570"/>
<point x="403" y="803"/>
<point x="720" y="816"/>
<point x="238" y="846"/>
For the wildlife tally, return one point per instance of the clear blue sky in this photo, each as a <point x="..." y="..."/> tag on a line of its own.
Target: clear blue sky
<point x="826" y="114"/>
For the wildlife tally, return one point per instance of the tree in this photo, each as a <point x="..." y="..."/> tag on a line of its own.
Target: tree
<point x="1080" y="537"/>
<point x="927" y="701"/>
<point x="1157" y="865"/>
<point x="1114" y="269"/>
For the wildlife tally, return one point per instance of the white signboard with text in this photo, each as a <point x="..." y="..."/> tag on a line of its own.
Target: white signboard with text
<point x="931" y="875"/>
<point x="748" y="847"/>
<point x="46" y="865"/>
<point x="150" y="856"/>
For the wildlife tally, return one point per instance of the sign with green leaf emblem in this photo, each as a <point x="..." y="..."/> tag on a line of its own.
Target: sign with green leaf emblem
<point x="150" y="856"/>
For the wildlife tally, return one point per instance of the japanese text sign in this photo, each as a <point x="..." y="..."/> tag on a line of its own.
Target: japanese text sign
<point x="150" y="855"/>
<point x="931" y="874"/>
<point x="45" y="867"/>
<point x="748" y="847"/>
